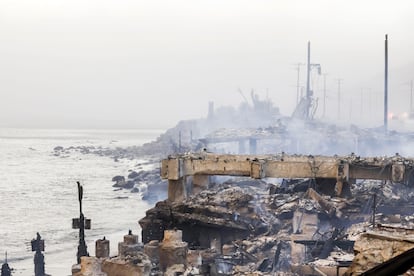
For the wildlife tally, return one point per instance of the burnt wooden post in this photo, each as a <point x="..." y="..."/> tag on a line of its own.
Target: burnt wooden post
<point x="374" y="208"/>
<point x="5" y="269"/>
<point x="38" y="245"/>
<point x="81" y="223"/>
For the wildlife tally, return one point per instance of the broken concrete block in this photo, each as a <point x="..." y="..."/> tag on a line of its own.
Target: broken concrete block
<point x="91" y="266"/>
<point x="153" y="251"/>
<point x="102" y="248"/>
<point x="130" y="245"/>
<point x="172" y="249"/>
<point x="138" y="265"/>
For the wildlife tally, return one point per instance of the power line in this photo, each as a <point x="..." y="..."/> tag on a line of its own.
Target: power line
<point x="324" y="95"/>
<point x="298" y="65"/>
<point x="339" y="98"/>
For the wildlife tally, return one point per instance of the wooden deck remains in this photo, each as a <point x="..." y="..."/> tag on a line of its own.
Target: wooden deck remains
<point x="340" y="168"/>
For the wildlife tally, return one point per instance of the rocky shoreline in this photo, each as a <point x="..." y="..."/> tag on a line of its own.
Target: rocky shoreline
<point x="143" y="178"/>
<point x="146" y="182"/>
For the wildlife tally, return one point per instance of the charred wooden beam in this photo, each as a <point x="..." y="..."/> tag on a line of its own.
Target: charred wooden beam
<point x="341" y="168"/>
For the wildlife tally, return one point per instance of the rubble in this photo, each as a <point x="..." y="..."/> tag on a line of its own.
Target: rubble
<point x="130" y="260"/>
<point x="264" y="214"/>
<point x="273" y="226"/>
<point x="231" y="221"/>
<point x="239" y="215"/>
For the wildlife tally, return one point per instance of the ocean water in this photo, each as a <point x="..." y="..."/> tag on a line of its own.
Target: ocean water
<point x="38" y="193"/>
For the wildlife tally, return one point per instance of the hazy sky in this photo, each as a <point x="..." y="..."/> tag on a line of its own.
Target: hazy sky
<point x="132" y="63"/>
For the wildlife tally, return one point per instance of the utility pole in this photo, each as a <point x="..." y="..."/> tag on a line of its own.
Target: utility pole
<point x="298" y="65"/>
<point x="339" y="98"/>
<point x="386" y="86"/>
<point x="324" y="94"/>
<point x="308" y="93"/>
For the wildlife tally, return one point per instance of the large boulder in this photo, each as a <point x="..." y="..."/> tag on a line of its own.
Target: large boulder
<point x="133" y="175"/>
<point x="119" y="181"/>
<point x="118" y="178"/>
<point x="129" y="184"/>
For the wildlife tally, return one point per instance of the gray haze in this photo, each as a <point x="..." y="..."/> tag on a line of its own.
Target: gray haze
<point x="107" y="63"/>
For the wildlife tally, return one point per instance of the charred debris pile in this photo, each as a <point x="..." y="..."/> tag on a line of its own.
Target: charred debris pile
<point x="255" y="223"/>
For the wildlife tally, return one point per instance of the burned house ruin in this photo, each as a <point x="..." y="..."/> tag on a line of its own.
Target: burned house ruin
<point x="292" y="214"/>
